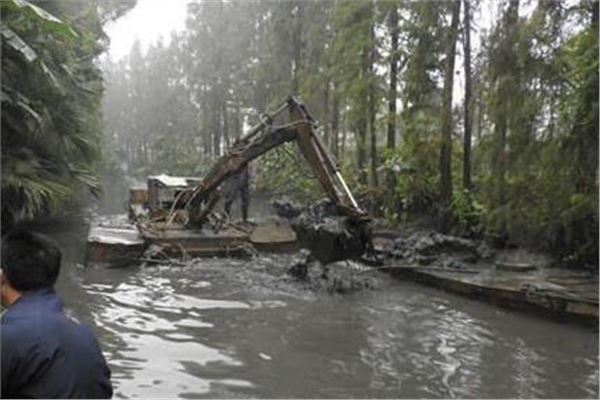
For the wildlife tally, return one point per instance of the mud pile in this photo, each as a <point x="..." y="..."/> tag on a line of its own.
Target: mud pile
<point x="433" y="247"/>
<point x="342" y="277"/>
<point x="321" y="229"/>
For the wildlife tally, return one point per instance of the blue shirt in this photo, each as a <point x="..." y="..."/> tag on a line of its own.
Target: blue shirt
<point x="47" y="355"/>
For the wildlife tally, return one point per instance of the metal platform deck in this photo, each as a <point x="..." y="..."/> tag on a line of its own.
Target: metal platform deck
<point x="124" y="245"/>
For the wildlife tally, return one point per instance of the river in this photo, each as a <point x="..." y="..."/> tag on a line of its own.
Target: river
<point x="229" y="328"/>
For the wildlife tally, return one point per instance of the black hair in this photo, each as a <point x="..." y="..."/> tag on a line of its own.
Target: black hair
<point x="30" y="260"/>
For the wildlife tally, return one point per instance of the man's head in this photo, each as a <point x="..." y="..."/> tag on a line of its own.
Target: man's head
<point x="29" y="261"/>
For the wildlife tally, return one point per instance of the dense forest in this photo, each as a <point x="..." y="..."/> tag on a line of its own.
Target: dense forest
<point x="482" y="115"/>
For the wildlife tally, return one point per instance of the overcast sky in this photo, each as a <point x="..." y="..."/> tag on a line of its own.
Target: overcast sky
<point x="151" y="19"/>
<point x="147" y="21"/>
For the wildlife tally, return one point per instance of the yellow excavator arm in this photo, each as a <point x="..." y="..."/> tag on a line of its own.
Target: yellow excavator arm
<point x="264" y="137"/>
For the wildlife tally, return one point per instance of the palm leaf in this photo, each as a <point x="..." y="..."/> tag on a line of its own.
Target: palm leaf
<point x="26" y="186"/>
<point x="42" y="18"/>
<point x="18" y="44"/>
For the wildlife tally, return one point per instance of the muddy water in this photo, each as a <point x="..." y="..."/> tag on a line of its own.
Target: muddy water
<point x="231" y="328"/>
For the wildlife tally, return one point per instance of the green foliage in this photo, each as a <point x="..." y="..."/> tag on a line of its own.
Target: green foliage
<point x="418" y="159"/>
<point x="51" y="92"/>
<point x="537" y="170"/>
<point x="285" y="172"/>
<point x="467" y="214"/>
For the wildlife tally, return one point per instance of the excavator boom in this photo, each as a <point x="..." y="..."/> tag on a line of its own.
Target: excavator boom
<point x="261" y="139"/>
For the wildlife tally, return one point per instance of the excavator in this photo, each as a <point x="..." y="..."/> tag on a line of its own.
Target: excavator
<point x="168" y="216"/>
<point x="264" y="137"/>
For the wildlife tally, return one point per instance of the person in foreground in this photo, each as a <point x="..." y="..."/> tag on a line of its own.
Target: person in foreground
<point x="44" y="353"/>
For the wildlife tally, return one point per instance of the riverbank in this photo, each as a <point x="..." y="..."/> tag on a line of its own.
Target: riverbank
<point x="516" y="278"/>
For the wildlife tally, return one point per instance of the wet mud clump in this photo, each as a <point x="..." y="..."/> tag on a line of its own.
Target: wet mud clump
<point x="437" y="248"/>
<point x="329" y="235"/>
<point x="341" y="277"/>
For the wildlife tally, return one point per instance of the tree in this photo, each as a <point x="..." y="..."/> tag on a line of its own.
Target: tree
<point x="446" y="141"/>
<point x="353" y="21"/>
<point x="467" y="100"/>
<point x="503" y="96"/>
<point x="51" y="91"/>
<point x="373" y="103"/>
<point x="392" y="96"/>
<point x="424" y="34"/>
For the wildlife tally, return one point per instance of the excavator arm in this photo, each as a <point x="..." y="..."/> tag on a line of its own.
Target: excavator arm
<point x="261" y="139"/>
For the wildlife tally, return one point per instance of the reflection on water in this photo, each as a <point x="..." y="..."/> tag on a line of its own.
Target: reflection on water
<point x="232" y="328"/>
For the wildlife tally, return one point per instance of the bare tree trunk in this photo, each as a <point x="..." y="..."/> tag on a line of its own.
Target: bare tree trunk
<point x="479" y="111"/>
<point x="361" y="143"/>
<point x="335" y="114"/>
<point x="363" y="117"/>
<point x="374" y="157"/>
<point x="371" y="111"/>
<point x="501" y="161"/>
<point x="206" y="124"/>
<point x="216" y="128"/>
<point x="467" y="105"/>
<point x="237" y="127"/>
<point x="373" y="133"/>
<point x="225" y="117"/>
<point x="326" y="131"/>
<point x="344" y="125"/>
<point x="392" y="95"/>
<point x="446" y="144"/>
<point x="361" y="133"/>
<point x="297" y="41"/>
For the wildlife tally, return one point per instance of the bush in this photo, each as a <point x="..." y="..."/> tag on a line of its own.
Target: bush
<point x="467" y="214"/>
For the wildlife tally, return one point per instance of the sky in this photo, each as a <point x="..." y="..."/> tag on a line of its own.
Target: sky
<point x="151" y="19"/>
<point x="147" y="21"/>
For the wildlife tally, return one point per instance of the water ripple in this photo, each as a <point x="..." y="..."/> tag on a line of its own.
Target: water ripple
<point x="233" y="328"/>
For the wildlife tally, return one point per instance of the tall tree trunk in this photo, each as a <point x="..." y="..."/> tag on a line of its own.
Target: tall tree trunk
<point x="499" y="170"/>
<point x="237" y="121"/>
<point x="225" y="117"/>
<point x="479" y="109"/>
<point x="373" y="133"/>
<point x="361" y="143"/>
<point x="216" y="127"/>
<point x="502" y="125"/>
<point x="335" y="115"/>
<point x="392" y="95"/>
<point x="361" y="126"/>
<point x="364" y="99"/>
<point x="326" y="131"/>
<point x="446" y="144"/>
<point x="467" y="105"/>
<point x="344" y="125"/>
<point x="297" y="43"/>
